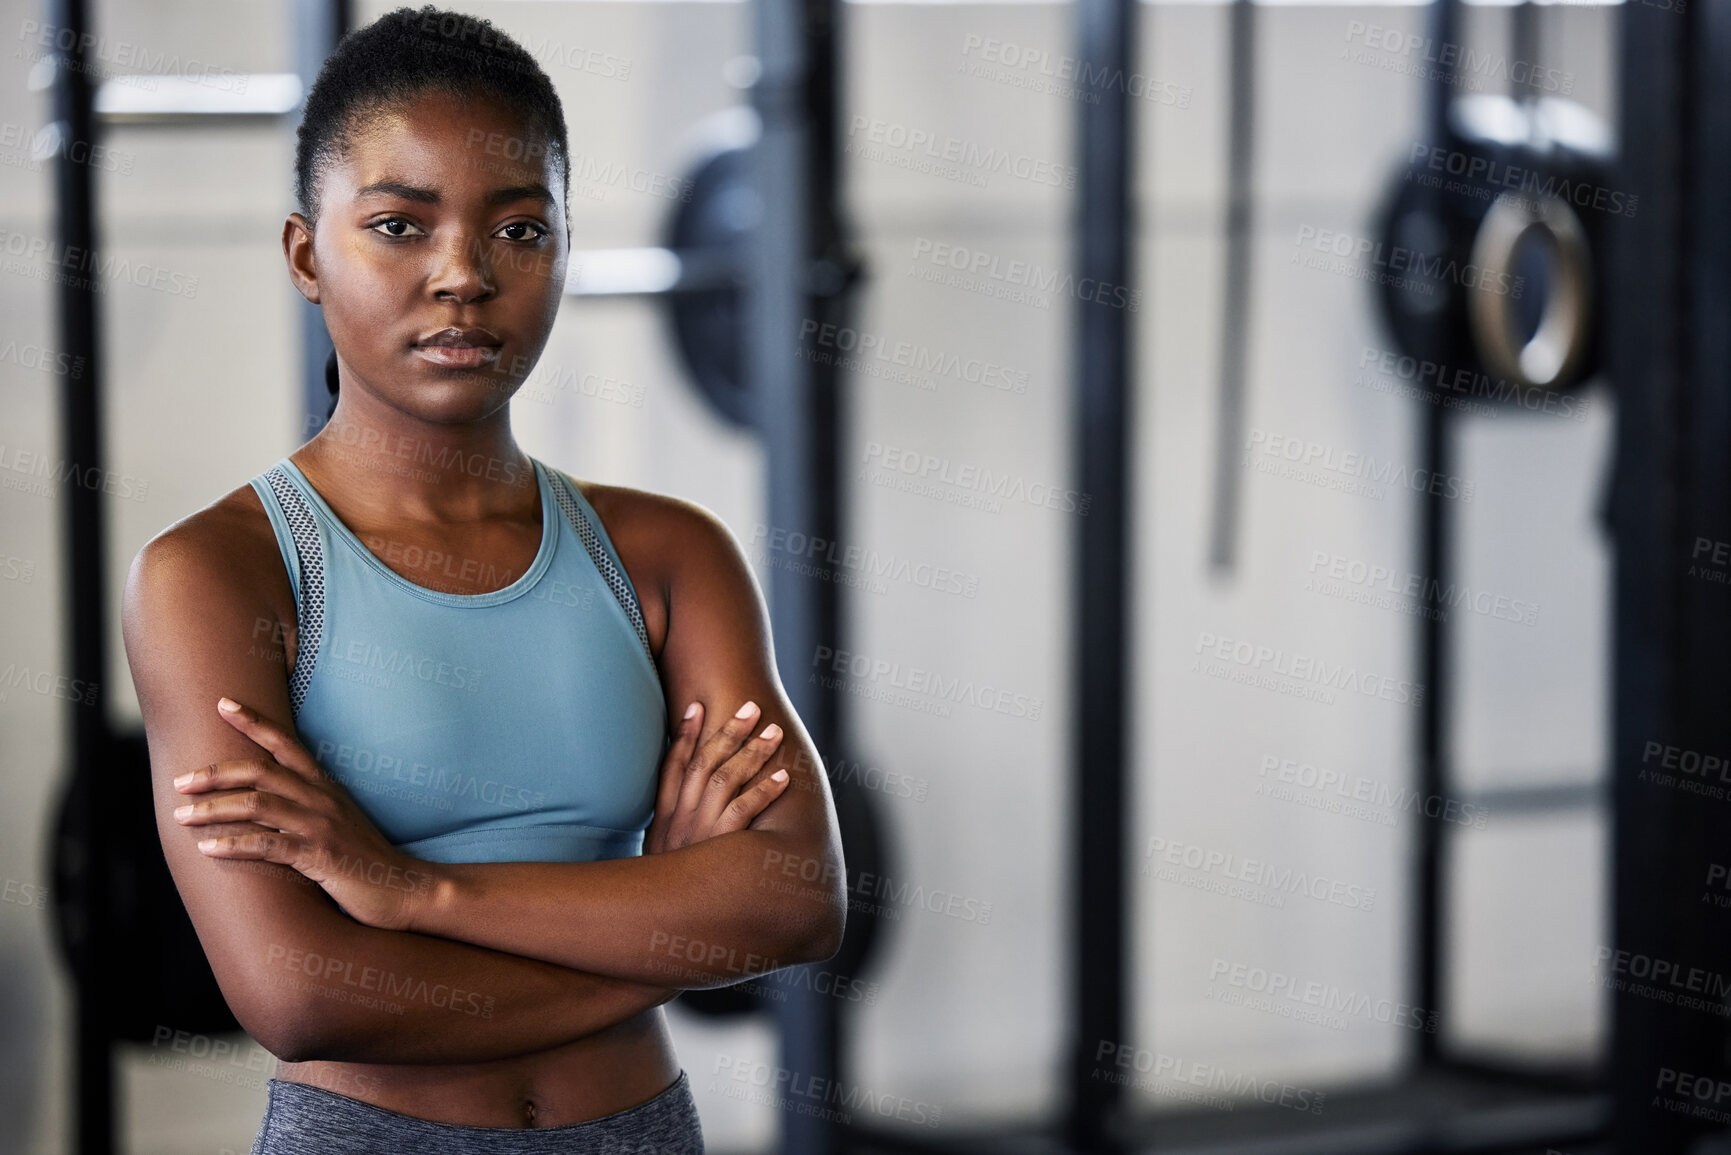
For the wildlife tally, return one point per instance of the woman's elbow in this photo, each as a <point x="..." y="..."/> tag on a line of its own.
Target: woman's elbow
<point x="822" y="933"/>
<point x="286" y="1027"/>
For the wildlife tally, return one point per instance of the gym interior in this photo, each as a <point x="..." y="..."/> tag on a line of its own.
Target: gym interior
<point x="1233" y="482"/>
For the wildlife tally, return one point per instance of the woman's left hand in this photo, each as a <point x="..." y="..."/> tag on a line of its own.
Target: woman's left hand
<point x="307" y="821"/>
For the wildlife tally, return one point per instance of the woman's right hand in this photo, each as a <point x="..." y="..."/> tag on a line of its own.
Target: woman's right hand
<point x="716" y="788"/>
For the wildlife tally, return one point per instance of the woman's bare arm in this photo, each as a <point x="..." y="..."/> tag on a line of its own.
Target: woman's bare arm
<point x="307" y="981"/>
<point x="770" y="895"/>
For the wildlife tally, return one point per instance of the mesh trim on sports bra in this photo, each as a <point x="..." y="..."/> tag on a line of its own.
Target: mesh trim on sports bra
<point x="610" y="572"/>
<point x="310" y="606"/>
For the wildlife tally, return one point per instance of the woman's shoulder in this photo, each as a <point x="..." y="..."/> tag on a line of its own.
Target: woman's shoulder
<point x="660" y="535"/>
<point x="225" y="552"/>
<point x="643" y="514"/>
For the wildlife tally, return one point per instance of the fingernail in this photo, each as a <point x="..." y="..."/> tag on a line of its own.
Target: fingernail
<point x="770" y="732"/>
<point x="691" y="711"/>
<point x="207" y="844"/>
<point x="778" y="776"/>
<point x="182" y="811"/>
<point x="227" y="704"/>
<point x="747" y="710"/>
<point x="183" y="781"/>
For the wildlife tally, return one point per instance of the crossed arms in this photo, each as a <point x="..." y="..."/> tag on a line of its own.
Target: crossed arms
<point x="302" y="907"/>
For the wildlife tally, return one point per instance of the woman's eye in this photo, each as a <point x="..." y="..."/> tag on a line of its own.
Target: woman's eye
<point x="523" y="231"/>
<point x="393" y="227"/>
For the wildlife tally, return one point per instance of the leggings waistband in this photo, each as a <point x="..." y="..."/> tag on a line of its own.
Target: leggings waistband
<point x="307" y="1120"/>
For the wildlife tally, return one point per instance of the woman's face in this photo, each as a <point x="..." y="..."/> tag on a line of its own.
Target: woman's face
<point x="439" y="256"/>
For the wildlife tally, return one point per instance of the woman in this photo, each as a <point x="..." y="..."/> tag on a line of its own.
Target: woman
<point x="524" y="733"/>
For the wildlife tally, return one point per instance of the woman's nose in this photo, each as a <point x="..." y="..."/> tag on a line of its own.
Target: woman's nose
<point x="464" y="272"/>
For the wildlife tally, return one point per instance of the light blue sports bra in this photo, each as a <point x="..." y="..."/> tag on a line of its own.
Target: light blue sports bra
<point x="522" y="725"/>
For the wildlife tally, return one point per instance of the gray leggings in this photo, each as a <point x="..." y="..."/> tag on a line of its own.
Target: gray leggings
<point x="303" y="1120"/>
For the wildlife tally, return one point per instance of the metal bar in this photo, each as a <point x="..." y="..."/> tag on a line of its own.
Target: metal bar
<point x="319" y="25"/>
<point x="86" y="604"/>
<point x="1503" y="801"/>
<point x="1235" y="308"/>
<point x="798" y="451"/>
<point x="1648" y="358"/>
<point x="652" y="272"/>
<point x="1099" y="994"/>
<point x="1430" y="865"/>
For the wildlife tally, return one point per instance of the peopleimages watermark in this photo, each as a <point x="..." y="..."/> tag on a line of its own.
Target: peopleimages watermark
<point x="1690" y="1094"/>
<point x="1320" y="1003"/>
<point x="692" y="960"/>
<point x="26" y="148"/>
<point x="963" y="483"/>
<point x="1341" y="253"/>
<point x="42" y="359"/>
<point x="590" y="176"/>
<point x="191" y="1053"/>
<point x="546" y="383"/>
<point x="105" y="57"/>
<point x="1300" y="675"/>
<point x="373" y="664"/>
<point x="1011" y="279"/>
<point x="1485" y="178"/>
<point x="930" y="691"/>
<point x="1038" y="70"/>
<point x="38" y="475"/>
<point x="1718" y="878"/>
<point x="85" y="268"/>
<point x="1414" y="54"/>
<point x="1692" y="770"/>
<point x="372" y="986"/>
<point x="853" y="772"/>
<point x="1460" y="387"/>
<point x="359" y="768"/>
<point x="1402" y="591"/>
<point x="951" y="158"/>
<point x="855" y="565"/>
<point x="1222" y="872"/>
<point x="47" y="684"/>
<point x="750" y="1080"/>
<point x="27" y="894"/>
<point x="1347" y="471"/>
<point x="457" y="30"/>
<point x="903" y="361"/>
<point x="435" y="461"/>
<point x="17" y="569"/>
<point x="868" y="892"/>
<point x="1114" y="1063"/>
<point x="1355" y="796"/>
<point x="1663" y="980"/>
<point x="1716" y="570"/>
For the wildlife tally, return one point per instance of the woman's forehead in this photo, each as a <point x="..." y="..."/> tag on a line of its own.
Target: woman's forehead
<point x="439" y="141"/>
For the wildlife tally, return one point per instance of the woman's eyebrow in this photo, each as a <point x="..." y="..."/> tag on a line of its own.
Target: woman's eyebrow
<point x="505" y="196"/>
<point x="409" y="192"/>
<point x="395" y="188"/>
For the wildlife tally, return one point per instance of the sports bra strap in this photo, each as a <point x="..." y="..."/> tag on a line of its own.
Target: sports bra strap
<point x="609" y="570"/>
<point x="310" y="602"/>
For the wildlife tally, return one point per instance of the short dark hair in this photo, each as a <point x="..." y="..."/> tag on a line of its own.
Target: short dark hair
<point x="406" y="54"/>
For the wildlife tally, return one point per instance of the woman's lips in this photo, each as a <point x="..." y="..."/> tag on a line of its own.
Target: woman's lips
<point x="458" y="356"/>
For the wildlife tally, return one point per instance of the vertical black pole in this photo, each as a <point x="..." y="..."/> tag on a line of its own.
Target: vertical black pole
<point x="1235" y="308"/>
<point x="798" y="431"/>
<point x="1670" y="290"/>
<point x="319" y="24"/>
<point x="1107" y="33"/>
<point x="84" y="857"/>
<point x="1433" y="532"/>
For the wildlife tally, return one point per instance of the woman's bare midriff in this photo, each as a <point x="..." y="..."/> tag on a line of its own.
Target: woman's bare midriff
<point x="599" y="1074"/>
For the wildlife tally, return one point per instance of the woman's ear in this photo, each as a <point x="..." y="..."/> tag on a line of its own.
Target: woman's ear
<point x="297" y="249"/>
